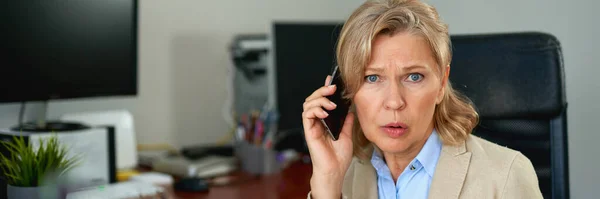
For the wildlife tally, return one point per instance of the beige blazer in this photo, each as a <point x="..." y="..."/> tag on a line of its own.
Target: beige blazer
<point x="475" y="169"/>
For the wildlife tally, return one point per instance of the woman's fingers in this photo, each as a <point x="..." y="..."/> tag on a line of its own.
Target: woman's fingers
<point x="327" y="80"/>
<point x="323" y="91"/>
<point x="310" y="121"/>
<point x="319" y="102"/>
<point x="315" y="113"/>
<point x="314" y="109"/>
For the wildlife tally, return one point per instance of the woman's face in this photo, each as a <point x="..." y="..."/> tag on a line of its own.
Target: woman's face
<point x="401" y="87"/>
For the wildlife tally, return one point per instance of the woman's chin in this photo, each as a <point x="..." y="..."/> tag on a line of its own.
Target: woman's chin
<point x="392" y="146"/>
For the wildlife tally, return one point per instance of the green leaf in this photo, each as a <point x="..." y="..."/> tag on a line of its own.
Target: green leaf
<point x="28" y="167"/>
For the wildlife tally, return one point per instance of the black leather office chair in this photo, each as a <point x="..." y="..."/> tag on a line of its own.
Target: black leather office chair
<point x="516" y="81"/>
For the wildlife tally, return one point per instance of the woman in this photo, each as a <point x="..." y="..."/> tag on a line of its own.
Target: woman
<point x="408" y="133"/>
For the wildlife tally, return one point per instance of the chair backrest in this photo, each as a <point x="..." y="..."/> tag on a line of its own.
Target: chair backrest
<point x="516" y="81"/>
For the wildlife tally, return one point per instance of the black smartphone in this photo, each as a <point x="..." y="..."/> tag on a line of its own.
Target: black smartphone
<point x="334" y="122"/>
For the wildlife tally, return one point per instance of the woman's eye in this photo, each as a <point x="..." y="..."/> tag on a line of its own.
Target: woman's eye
<point x="371" y="78"/>
<point x="415" y="77"/>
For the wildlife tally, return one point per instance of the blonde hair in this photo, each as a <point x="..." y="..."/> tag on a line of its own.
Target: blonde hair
<point x="455" y="116"/>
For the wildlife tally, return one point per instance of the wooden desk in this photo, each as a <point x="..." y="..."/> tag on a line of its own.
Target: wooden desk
<point x="292" y="183"/>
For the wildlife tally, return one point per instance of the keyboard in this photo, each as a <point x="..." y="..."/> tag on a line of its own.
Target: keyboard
<point x="120" y="190"/>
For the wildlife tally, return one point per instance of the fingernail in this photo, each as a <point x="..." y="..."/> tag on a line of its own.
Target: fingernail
<point x="332" y="103"/>
<point x="331" y="86"/>
<point x="326" y="114"/>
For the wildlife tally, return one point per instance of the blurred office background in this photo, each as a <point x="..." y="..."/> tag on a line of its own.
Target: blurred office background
<point x="184" y="64"/>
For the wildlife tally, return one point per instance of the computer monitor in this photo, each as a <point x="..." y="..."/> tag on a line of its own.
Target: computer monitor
<point x="67" y="49"/>
<point x="304" y="54"/>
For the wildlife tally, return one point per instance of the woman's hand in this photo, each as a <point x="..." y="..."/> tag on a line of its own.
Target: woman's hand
<point x="330" y="159"/>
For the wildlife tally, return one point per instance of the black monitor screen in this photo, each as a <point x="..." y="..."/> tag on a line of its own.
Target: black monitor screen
<point x="304" y="56"/>
<point x="57" y="49"/>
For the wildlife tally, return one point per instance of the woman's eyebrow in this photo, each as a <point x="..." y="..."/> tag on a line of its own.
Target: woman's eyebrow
<point x="415" y="67"/>
<point x="375" y="69"/>
<point x="408" y="68"/>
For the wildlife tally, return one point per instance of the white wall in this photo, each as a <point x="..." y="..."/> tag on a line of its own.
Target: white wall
<point x="188" y="41"/>
<point x="575" y="24"/>
<point x="183" y="50"/>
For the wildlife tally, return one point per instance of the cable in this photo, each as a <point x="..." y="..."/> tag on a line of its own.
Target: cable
<point x="21" y="113"/>
<point x="227" y="110"/>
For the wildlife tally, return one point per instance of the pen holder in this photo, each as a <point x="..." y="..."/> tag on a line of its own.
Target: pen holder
<point x="257" y="159"/>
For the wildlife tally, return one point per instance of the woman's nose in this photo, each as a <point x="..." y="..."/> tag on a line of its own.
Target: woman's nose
<point x="394" y="99"/>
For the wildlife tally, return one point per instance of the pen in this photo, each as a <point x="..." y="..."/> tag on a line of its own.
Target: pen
<point x="240" y="132"/>
<point x="258" y="132"/>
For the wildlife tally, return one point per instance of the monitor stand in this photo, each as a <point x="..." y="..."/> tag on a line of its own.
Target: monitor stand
<point x="50" y="126"/>
<point x="44" y="125"/>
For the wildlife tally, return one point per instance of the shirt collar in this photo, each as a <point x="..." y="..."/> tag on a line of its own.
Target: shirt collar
<point x="427" y="157"/>
<point x="430" y="153"/>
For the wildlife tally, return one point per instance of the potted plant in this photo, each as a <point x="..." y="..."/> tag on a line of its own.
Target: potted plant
<point x="28" y="169"/>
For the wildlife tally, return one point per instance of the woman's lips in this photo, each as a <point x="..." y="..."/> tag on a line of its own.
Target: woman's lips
<point x="394" y="130"/>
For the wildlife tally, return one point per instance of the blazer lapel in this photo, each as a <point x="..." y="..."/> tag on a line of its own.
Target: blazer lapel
<point x="450" y="172"/>
<point x="365" y="181"/>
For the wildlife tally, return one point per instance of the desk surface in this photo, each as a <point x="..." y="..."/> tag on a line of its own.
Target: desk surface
<point x="292" y="183"/>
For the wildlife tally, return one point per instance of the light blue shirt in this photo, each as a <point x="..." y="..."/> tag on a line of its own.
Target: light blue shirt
<point x="416" y="178"/>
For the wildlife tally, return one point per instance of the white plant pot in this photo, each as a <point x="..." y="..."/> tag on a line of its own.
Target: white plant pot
<point x="41" y="192"/>
<point x="14" y="192"/>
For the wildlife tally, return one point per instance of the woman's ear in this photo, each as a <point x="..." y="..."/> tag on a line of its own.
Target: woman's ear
<point x="445" y="75"/>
